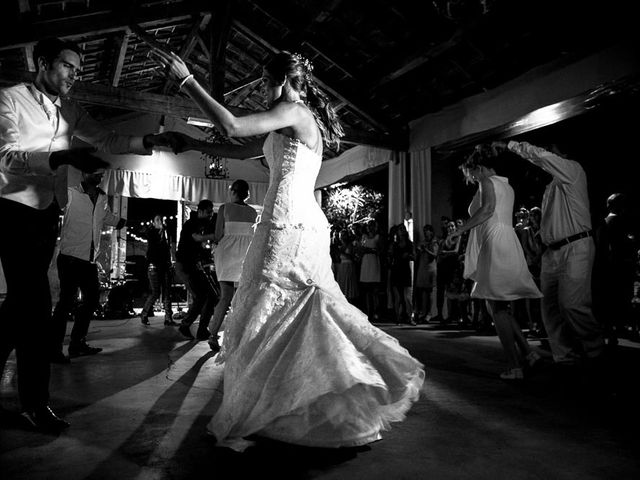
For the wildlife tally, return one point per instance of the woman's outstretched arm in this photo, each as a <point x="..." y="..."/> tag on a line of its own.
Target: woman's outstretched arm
<point x="282" y="115"/>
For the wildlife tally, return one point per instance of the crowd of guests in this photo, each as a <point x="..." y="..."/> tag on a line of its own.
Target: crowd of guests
<point x="585" y="289"/>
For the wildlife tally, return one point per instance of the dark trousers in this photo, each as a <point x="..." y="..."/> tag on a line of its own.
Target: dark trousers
<point x="159" y="283"/>
<point x="75" y="274"/>
<point x="26" y="248"/>
<point x="204" y="299"/>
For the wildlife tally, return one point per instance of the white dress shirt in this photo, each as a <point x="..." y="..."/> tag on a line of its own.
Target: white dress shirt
<point x="31" y="127"/>
<point x="83" y="222"/>
<point x="565" y="203"/>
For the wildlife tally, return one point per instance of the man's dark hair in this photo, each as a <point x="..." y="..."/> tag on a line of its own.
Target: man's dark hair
<point x="241" y="187"/>
<point x="50" y="49"/>
<point x="616" y="203"/>
<point x="205" y="205"/>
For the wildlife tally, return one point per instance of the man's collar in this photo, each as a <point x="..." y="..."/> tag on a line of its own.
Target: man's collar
<point x="41" y="98"/>
<point x="84" y="190"/>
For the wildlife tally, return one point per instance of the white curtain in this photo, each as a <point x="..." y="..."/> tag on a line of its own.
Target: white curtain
<point x="420" y="190"/>
<point x="175" y="187"/>
<point x="397" y="188"/>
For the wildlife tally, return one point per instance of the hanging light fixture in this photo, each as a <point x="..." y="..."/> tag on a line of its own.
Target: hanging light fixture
<point x="215" y="166"/>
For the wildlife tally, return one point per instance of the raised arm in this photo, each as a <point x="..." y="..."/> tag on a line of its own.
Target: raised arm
<point x="282" y="115"/>
<point x="241" y="152"/>
<point x="563" y="169"/>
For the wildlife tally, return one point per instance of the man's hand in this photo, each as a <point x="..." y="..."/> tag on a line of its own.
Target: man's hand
<point x="176" y="141"/>
<point x="80" y="158"/>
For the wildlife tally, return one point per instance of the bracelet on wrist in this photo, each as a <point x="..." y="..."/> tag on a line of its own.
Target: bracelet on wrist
<point x="185" y="80"/>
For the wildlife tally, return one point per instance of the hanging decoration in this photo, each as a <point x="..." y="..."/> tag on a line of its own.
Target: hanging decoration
<point x="215" y="166"/>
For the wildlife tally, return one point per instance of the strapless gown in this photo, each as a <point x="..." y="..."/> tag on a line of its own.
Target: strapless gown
<point x="301" y="364"/>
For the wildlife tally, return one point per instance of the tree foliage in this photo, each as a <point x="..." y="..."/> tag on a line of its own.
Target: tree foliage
<point x="344" y="206"/>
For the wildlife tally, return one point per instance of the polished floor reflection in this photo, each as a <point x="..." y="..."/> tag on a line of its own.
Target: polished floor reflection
<point x="139" y="409"/>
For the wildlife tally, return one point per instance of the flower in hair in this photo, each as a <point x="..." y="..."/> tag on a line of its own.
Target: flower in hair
<point x="308" y="66"/>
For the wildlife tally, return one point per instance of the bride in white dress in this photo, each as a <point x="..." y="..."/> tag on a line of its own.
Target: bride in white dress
<point x="302" y="365"/>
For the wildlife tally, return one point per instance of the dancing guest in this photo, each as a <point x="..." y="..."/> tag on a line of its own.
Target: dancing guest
<point x="494" y="258"/>
<point x="37" y="122"/>
<point x="159" y="271"/>
<point x="234" y="230"/>
<point x="192" y="257"/>
<point x="303" y="365"/>
<point x="567" y="263"/>
<point x="86" y="213"/>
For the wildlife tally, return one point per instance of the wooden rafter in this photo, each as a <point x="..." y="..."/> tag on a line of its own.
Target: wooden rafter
<point x="122" y="42"/>
<point x="326" y="87"/>
<point x="27" y="52"/>
<point x="180" y="107"/>
<point x="96" y="22"/>
<point x="190" y="42"/>
<point x="218" y="39"/>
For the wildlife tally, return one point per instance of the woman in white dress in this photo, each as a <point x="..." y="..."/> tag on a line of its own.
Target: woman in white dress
<point x="494" y="258"/>
<point x="302" y="365"/>
<point x="234" y="230"/>
<point x="370" y="269"/>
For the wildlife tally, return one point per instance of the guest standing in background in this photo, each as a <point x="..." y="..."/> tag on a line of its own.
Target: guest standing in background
<point x="370" y="269"/>
<point x="159" y="271"/>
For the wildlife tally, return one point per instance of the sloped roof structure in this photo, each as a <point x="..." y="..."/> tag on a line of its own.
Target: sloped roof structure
<point x="383" y="63"/>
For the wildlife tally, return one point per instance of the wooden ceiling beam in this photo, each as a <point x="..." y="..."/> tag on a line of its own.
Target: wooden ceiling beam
<point x="218" y="39"/>
<point x="96" y="94"/>
<point x="19" y="34"/>
<point x="122" y="42"/>
<point x="421" y="59"/>
<point x="27" y="53"/>
<point x="179" y="107"/>
<point x="323" y="85"/>
<point x="190" y="42"/>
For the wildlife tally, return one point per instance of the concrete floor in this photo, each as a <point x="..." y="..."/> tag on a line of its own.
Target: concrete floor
<point x="138" y="410"/>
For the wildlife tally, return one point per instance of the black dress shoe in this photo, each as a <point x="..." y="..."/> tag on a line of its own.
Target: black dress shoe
<point x="59" y="358"/>
<point x="82" y="349"/>
<point x="44" y="419"/>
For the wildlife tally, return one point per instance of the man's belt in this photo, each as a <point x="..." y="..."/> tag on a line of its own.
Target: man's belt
<point x="568" y="240"/>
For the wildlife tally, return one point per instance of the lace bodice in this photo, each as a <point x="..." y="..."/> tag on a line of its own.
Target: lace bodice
<point x="293" y="172"/>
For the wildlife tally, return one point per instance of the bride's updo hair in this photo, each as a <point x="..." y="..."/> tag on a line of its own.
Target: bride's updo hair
<point x="298" y="70"/>
<point x="483" y="155"/>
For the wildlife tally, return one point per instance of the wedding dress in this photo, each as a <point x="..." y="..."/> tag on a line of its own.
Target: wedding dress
<point x="301" y="364"/>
